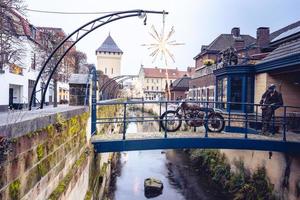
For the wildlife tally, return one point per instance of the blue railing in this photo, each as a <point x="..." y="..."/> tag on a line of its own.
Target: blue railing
<point x="247" y="122"/>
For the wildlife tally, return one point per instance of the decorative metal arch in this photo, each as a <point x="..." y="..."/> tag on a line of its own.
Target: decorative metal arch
<point x="111" y="94"/>
<point x="115" y="79"/>
<point x="48" y="70"/>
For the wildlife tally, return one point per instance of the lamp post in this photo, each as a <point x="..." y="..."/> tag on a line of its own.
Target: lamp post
<point x="47" y="71"/>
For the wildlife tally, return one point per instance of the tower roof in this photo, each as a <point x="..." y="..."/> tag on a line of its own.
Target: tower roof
<point x="109" y="45"/>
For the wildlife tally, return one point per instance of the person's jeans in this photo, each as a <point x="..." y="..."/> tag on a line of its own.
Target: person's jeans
<point x="267" y="114"/>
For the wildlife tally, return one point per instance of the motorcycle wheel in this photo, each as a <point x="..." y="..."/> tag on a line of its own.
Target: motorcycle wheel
<point x="215" y="123"/>
<point x="170" y="121"/>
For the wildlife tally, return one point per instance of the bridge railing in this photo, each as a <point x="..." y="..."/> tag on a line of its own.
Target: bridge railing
<point x="243" y="118"/>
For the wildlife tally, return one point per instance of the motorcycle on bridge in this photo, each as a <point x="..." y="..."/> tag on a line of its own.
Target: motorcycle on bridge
<point x="194" y="115"/>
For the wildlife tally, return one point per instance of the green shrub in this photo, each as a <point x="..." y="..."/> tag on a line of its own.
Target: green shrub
<point x="239" y="183"/>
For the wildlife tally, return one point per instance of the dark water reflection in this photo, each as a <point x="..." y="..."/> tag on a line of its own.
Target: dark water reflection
<point x="180" y="181"/>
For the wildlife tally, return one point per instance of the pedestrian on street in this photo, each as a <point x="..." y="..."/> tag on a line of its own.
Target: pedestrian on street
<point x="270" y="101"/>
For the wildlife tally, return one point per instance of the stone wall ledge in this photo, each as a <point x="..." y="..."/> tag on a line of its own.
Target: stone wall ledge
<point x="18" y="123"/>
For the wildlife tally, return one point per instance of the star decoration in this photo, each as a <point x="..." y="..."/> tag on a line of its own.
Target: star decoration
<point x="162" y="44"/>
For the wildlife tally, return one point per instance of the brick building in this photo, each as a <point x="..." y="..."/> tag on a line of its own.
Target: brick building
<point x="179" y="88"/>
<point x="280" y="65"/>
<point x="154" y="81"/>
<point x="202" y="85"/>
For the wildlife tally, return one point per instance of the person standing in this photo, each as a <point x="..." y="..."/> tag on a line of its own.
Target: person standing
<point x="270" y="101"/>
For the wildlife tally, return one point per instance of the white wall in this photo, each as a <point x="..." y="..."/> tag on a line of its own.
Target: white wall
<point x="8" y="79"/>
<point x="109" y="61"/>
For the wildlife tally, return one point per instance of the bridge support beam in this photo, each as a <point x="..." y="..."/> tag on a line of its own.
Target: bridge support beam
<point x="202" y="143"/>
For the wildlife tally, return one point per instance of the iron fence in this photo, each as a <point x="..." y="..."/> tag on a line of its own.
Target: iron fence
<point x="286" y="119"/>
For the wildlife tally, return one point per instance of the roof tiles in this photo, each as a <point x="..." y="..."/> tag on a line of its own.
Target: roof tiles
<point x="109" y="46"/>
<point x="161" y="73"/>
<point x="285" y="49"/>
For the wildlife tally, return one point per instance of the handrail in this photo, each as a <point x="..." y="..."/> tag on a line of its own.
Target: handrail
<point x="230" y="118"/>
<point x="189" y="101"/>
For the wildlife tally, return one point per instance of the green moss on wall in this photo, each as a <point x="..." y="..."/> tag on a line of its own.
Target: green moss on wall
<point x="88" y="195"/>
<point x="40" y="152"/>
<point x="61" y="123"/>
<point x="103" y="169"/>
<point x="74" y="125"/>
<point x="31" y="179"/>
<point x="46" y="155"/>
<point x="107" y="111"/>
<point x="63" y="185"/>
<point x="14" y="190"/>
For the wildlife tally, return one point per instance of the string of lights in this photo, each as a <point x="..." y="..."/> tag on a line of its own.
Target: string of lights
<point x="68" y="13"/>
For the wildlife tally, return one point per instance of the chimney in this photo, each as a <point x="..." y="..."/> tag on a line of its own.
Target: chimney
<point x="263" y="37"/>
<point x="203" y="47"/>
<point x="235" y="32"/>
<point x="239" y="44"/>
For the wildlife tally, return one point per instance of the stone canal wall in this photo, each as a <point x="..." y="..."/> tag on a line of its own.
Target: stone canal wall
<point x="48" y="155"/>
<point x="282" y="170"/>
<point x="101" y="165"/>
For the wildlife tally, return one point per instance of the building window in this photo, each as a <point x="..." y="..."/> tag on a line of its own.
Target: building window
<point x="222" y="92"/>
<point x="33" y="32"/>
<point x="105" y="70"/>
<point x="157" y="88"/>
<point x="112" y="71"/>
<point x="207" y="94"/>
<point x="3" y="60"/>
<point x="15" y="69"/>
<point x="152" y="88"/>
<point x="147" y="87"/>
<point x="211" y="94"/>
<point x="33" y="61"/>
<point x="240" y="90"/>
<point x="236" y="92"/>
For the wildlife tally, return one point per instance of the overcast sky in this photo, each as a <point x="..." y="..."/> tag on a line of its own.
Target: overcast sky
<point x="196" y="22"/>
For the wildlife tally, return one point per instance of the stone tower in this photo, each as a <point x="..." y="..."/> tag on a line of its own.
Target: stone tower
<point x="109" y="58"/>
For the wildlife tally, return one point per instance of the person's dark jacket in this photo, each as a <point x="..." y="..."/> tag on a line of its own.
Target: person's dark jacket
<point x="273" y="99"/>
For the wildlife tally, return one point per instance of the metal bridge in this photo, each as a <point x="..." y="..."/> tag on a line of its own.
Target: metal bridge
<point x="242" y="130"/>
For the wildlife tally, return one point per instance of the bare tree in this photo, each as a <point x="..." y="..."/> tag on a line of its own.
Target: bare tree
<point x="11" y="48"/>
<point x="50" y="39"/>
<point x="80" y="60"/>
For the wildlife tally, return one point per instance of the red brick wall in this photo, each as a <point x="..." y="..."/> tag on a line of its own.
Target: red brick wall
<point x="177" y="95"/>
<point x="203" y="81"/>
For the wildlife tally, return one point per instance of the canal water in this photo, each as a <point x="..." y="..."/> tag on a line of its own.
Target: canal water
<point x="181" y="182"/>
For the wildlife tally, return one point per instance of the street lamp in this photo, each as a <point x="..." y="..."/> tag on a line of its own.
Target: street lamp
<point x="47" y="71"/>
